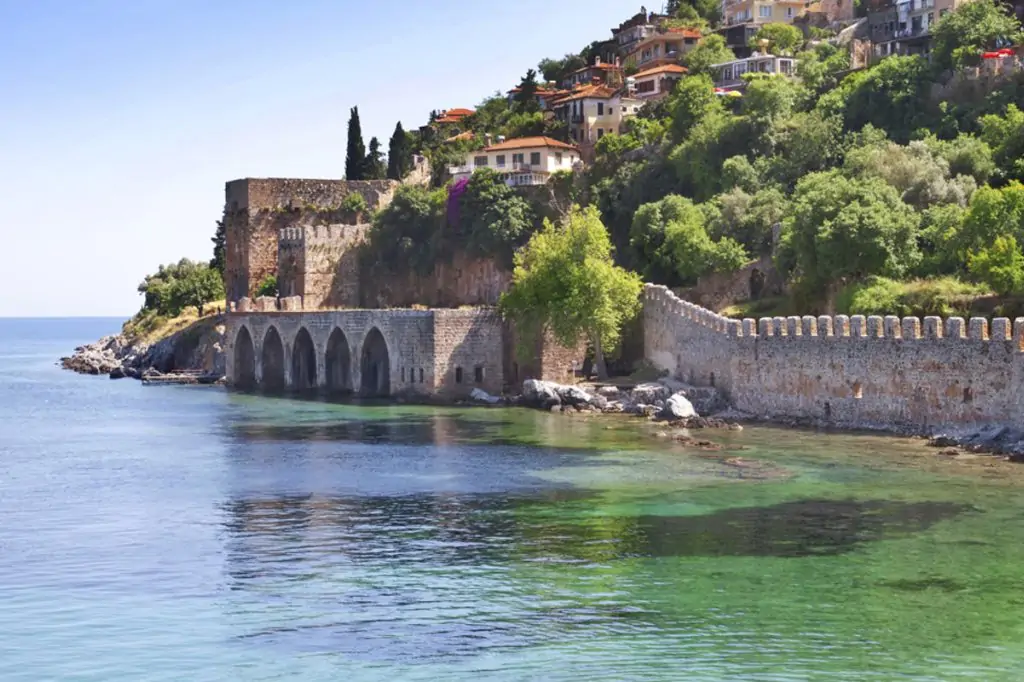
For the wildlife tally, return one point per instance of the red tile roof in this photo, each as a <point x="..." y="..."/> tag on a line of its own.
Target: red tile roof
<point x="685" y="32"/>
<point x="526" y="142"/>
<point x="666" y="68"/>
<point x="591" y="91"/>
<point x="459" y="112"/>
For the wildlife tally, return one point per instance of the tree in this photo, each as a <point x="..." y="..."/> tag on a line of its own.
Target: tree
<point x="267" y="286"/>
<point x="777" y="39"/>
<point x="219" y="240"/>
<point x="405" y="233"/>
<point x="374" y="167"/>
<point x="178" y="285"/>
<point x="992" y="213"/>
<point x="708" y="10"/>
<point x="399" y="156"/>
<point x="1001" y="266"/>
<point x="526" y="98"/>
<point x="557" y="70"/>
<point x="843" y="229"/>
<point x="962" y="35"/>
<point x="355" y="159"/>
<point x="565" y="282"/>
<point x="1005" y="137"/>
<point x="711" y="49"/>
<point x="493" y="219"/>
<point x="693" y="99"/>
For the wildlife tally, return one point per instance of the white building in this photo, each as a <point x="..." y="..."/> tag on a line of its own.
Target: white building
<point x="729" y="75"/>
<point x="656" y="82"/>
<point x="523" y="160"/>
<point x="593" y="111"/>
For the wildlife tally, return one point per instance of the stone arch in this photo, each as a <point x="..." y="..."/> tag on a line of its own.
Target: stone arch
<point x="303" y="362"/>
<point x="375" y="365"/>
<point x="338" y="363"/>
<point x="244" y="360"/>
<point x="273" y="361"/>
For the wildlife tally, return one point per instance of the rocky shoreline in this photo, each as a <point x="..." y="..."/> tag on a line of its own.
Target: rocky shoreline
<point x="196" y="348"/>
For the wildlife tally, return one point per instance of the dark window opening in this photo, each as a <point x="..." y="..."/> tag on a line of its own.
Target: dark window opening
<point x="421" y="375"/>
<point x="968" y="395"/>
<point x="478" y="375"/>
<point x="458" y="375"/>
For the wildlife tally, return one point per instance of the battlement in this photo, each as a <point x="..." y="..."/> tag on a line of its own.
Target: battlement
<point x="661" y="300"/>
<point x="321" y="234"/>
<point x="255" y="194"/>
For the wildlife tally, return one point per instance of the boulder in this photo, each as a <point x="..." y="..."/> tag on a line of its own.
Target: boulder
<point x="482" y="396"/>
<point x="608" y="391"/>
<point x="118" y="373"/>
<point x="599" y="401"/>
<point x="649" y="393"/>
<point x="678" y="407"/>
<point x="540" y="394"/>
<point x="573" y="395"/>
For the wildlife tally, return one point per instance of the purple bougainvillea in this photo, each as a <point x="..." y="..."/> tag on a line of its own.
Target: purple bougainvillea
<point x="455" y="192"/>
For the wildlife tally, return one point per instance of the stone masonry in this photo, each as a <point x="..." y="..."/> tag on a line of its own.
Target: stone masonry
<point x="899" y="374"/>
<point x="321" y="264"/>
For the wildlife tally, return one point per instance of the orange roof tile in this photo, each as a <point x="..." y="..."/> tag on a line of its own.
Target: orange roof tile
<point x="685" y="32"/>
<point x="666" y="68"/>
<point x="594" y="91"/>
<point x="604" y="66"/>
<point x="468" y="135"/>
<point x="526" y="142"/>
<point x="459" y="112"/>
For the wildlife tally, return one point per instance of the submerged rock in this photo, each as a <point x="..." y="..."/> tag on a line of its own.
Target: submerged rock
<point x="483" y="396"/>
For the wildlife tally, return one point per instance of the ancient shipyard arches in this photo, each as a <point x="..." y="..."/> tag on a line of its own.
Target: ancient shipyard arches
<point x="332" y="352"/>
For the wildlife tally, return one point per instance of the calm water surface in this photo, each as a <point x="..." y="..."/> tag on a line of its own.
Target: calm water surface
<point x="191" y="534"/>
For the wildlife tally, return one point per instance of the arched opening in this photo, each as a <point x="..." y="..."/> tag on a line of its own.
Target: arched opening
<point x="303" y="362"/>
<point x="245" y="361"/>
<point x="375" y="366"/>
<point x="339" y="363"/>
<point x="273" y="361"/>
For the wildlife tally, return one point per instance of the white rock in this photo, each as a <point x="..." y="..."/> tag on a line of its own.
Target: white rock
<point x="543" y="394"/>
<point x="648" y="393"/>
<point x="483" y="396"/>
<point x="573" y="395"/>
<point x="678" y="407"/>
<point x="608" y="391"/>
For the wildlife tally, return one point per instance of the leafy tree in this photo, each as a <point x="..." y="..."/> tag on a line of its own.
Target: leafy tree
<point x="750" y="219"/>
<point x="493" y="218"/>
<point x="737" y="171"/>
<point x="777" y="39"/>
<point x="962" y="35"/>
<point x="405" y="234"/>
<point x="843" y="229"/>
<point x="526" y="98"/>
<point x="820" y="66"/>
<point x="176" y="286"/>
<point x="992" y="213"/>
<point x="219" y="240"/>
<point x="375" y="168"/>
<point x="565" y="281"/>
<point x="768" y="98"/>
<point x="267" y="286"/>
<point x="966" y="155"/>
<point x="711" y="49"/>
<point x="355" y="159"/>
<point x="1005" y="136"/>
<point x="1001" y="266"/>
<point x="915" y="170"/>
<point x="693" y="99"/>
<point x="557" y="70"/>
<point x="399" y="154"/>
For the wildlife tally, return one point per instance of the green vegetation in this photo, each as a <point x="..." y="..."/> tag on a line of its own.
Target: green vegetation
<point x="355" y="157"/>
<point x="180" y="285"/>
<point x="354" y="206"/>
<point x="565" y="281"/>
<point x="267" y="286"/>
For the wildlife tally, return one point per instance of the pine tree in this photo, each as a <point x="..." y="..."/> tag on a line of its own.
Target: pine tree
<point x="374" y="168"/>
<point x="218" y="239"/>
<point x="399" y="159"/>
<point x="355" y="159"/>
<point x="526" y="98"/>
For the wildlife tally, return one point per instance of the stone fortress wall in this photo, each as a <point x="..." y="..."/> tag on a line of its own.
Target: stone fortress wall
<point x="320" y="263"/>
<point x="899" y="374"/>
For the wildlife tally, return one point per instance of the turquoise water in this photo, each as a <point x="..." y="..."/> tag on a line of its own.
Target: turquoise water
<point x="190" y="534"/>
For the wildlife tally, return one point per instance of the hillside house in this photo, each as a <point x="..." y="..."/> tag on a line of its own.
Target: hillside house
<point x="543" y="97"/>
<point x="591" y="112"/>
<point x="729" y="75"/>
<point x="664" y="46"/>
<point x="904" y="26"/>
<point x="522" y="161"/>
<point x="655" y="83"/>
<point x="598" y="72"/>
<point x="635" y="29"/>
<point x="741" y="19"/>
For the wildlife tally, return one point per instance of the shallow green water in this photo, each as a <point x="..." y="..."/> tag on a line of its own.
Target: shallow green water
<point x="183" y="533"/>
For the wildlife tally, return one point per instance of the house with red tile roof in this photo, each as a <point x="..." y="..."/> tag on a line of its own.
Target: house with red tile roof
<point x="665" y="46"/>
<point x="453" y="115"/>
<point x="656" y="82"/>
<point x="544" y="95"/>
<point x="598" y="72"/>
<point x="522" y="160"/>
<point x="593" y="111"/>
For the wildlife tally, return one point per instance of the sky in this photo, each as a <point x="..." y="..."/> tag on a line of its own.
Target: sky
<point x="121" y="120"/>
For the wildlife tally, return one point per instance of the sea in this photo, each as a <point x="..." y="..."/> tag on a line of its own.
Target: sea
<point x="191" y="533"/>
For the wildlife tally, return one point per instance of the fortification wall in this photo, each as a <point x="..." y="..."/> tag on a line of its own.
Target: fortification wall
<point x="874" y="372"/>
<point x="468" y="351"/>
<point x="463" y="281"/>
<point x="320" y="263"/>
<point x="257" y="209"/>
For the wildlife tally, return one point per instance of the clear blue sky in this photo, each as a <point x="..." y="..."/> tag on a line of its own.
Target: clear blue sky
<point x="120" y="120"/>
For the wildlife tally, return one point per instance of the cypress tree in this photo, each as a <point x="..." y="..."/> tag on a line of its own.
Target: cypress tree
<point x="355" y="159"/>
<point x="375" y="169"/>
<point x="399" y="161"/>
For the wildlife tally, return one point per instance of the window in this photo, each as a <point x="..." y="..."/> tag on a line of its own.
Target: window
<point x="421" y="375"/>
<point x="480" y="161"/>
<point x="600" y="108"/>
<point x="403" y="375"/>
<point x="600" y="133"/>
<point x="558" y="158"/>
<point x="789" y="12"/>
<point x="458" y="375"/>
<point x="500" y="160"/>
<point x="478" y="374"/>
<point x="765" y="11"/>
<point x="624" y="109"/>
<point x="534" y="158"/>
<point x="517" y="159"/>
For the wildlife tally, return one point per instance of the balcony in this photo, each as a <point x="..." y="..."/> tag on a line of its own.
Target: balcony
<point x="576" y="118"/>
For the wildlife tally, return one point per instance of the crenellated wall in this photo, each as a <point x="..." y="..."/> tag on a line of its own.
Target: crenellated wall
<point x="857" y="371"/>
<point x="320" y="263"/>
